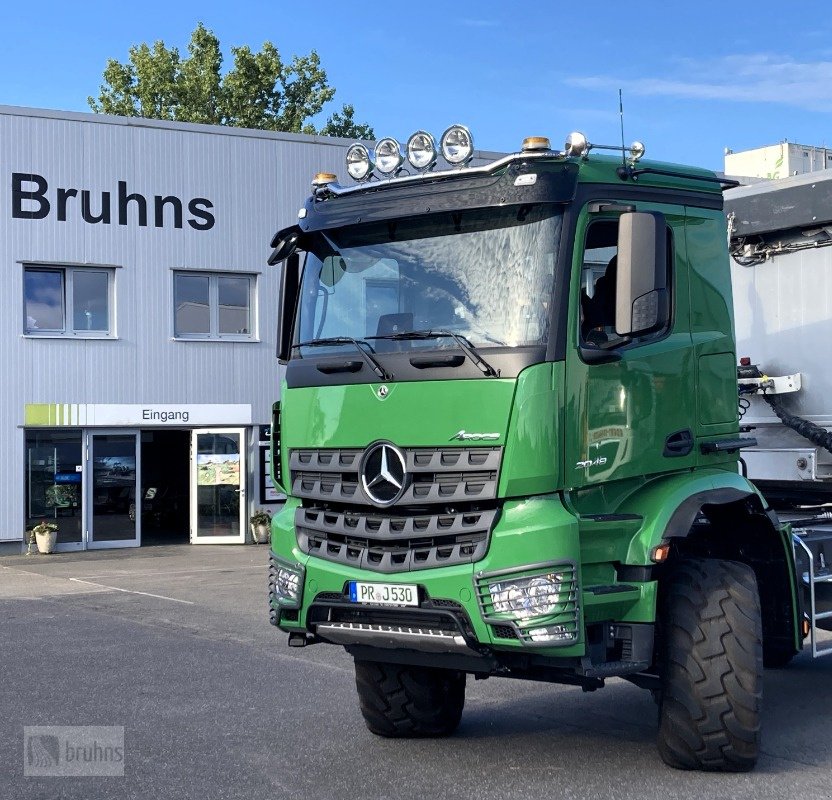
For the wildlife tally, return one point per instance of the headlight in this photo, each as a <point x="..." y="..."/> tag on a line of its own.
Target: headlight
<point x="457" y="145"/>
<point x="524" y="598"/>
<point x="359" y="163"/>
<point x="285" y="583"/>
<point x="388" y="156"/>
<point x="421" y="150"/>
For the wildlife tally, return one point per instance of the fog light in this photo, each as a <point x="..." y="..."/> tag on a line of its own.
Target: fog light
<point x="457" y="145"/>
<point x="359" y="163"/>
<point x="421" y="150"/>
<point x="388" y="156"/>
<point x="552" y="633"/>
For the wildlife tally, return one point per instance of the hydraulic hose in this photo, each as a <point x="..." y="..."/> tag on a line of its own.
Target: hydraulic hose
<point x="808" y="430"/>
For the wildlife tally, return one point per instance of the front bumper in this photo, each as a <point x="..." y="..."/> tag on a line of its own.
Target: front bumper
<point x="452" y="617"/>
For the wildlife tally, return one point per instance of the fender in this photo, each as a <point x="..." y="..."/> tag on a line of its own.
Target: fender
<point x="670" y="504"/>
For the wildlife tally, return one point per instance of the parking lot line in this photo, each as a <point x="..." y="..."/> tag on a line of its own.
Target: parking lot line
<point x="131" y="591"/>
<point x="126" y="572"/>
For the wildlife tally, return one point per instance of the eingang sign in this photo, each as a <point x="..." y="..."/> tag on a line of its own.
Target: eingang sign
<point x="135" y="415"/>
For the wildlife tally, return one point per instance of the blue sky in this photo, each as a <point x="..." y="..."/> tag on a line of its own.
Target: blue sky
<point x="697" y="77"/>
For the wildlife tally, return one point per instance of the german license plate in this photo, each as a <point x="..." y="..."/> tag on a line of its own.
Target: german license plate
<point x="383" y="594"/>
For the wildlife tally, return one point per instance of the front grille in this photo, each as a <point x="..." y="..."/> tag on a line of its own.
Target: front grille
<point x="394" y="543"/>
<point x="443" y="518"/>
<point x="438" y="475"/>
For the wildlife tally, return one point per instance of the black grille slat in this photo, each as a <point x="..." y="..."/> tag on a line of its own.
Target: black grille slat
<point x="338" y="522"/>
<point x="438" y="475"/>
<point x="386" y="543"/>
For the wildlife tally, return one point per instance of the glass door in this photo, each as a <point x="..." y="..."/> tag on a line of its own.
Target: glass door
<point x="218" y="486"/>
<point x="113" y="518"/>
<point x="54" y="484"/>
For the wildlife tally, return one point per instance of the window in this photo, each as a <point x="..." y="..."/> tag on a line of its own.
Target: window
<point x="598" y="278"/>
<point x="212" y="306"/>
<point x="68" y="301"/>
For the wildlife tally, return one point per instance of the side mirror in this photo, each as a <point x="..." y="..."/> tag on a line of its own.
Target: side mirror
<point x="285" y="243"/>
<point x="641" y="283"/>
<point x="287" y="300"/>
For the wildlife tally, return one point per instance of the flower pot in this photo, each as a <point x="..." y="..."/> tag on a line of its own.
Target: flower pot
<point x="46" y="541"/>
<point x="260" y="533"/>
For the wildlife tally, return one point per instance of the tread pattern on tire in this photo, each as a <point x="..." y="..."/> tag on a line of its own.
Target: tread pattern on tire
<point x="709" y="714"/>
<point x="403" y="701"/>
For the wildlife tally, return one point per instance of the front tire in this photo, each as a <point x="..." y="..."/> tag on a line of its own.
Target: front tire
<point x="711" y="658"/>
<point x="401" y="701"/>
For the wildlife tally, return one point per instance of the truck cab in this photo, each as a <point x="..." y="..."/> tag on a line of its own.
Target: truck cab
<point x="509" y="438"/>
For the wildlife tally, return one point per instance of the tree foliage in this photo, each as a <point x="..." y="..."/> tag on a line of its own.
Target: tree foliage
<point x="260" y="91"/>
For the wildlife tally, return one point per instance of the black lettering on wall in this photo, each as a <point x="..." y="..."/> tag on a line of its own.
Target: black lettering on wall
<point x="160" y="203"/>
<point x="124" y="199"/>
<point x="87" y="214"/>
<point x="19" y="196"/>
<point x="63" y="196"/>
<point x="202" y="213"/>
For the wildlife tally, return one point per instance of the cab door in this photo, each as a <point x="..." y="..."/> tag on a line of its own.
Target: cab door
<point x="633" y="416"/>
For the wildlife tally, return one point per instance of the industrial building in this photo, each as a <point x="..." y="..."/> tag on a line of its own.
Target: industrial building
<point x="138" y="323"/>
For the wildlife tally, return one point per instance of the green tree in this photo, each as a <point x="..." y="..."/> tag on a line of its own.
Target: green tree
<point x="260" y="91"/>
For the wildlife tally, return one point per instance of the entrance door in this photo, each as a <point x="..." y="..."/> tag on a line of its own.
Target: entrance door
<point x="218" y="486"/>
<point x="114" y="515"/>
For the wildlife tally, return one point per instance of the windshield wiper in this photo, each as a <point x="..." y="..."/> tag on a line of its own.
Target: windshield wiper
<point x="375" y="366"/>
<point x="437" y="333"/>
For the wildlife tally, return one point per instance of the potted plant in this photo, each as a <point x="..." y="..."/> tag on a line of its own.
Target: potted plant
<point x="261" y="524"/>
<point x="45" y="534"/>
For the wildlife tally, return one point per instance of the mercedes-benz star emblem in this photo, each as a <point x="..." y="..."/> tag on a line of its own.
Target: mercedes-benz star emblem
<point x="383" y="473"/>
<point x="382" y="392"/>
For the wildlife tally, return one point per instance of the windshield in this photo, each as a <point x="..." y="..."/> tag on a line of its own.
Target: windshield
<point x="485" y="274"/>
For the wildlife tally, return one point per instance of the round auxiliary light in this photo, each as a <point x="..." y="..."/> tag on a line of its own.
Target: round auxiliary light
<point x="389" y="156"/>
<point x="323" y="178"/>
<point x="636" y="151"/>
<point x="576" y="144"/>
<point x="359" y="163"/>
<point x="457" y="145"/>
<point x="421" y="150"/>
<point x="531" y="143"/>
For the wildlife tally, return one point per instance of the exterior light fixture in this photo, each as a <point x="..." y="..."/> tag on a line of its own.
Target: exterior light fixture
<point x="532" y="143"/>
<point x="457" y="145"/>
<point x="576" y="144"/>
<point x="421" y="151"/>
<point x="359" y="162"/>
<point x="324" y="178"/>
<point x="389" y="156"/>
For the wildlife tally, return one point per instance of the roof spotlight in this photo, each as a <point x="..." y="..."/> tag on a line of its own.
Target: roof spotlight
<point x="576" y="144"/>
<point x="359" y="162"/>
<point x="636" y="151"/>
<point x="389" y="156"/>
<point x="457" y="145"/>
<point x="421" y="151"/>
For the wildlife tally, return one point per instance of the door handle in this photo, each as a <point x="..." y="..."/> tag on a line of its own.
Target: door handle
<point x="678" y="444"/>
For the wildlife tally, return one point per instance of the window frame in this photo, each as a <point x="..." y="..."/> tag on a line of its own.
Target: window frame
<point x="213" y="334"/>
<point x="67" y="273"/>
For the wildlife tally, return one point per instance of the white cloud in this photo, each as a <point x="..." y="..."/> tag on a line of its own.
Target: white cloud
<point x="751" y="78"/>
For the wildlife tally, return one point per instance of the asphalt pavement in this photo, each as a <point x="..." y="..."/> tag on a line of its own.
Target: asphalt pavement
<point x="173" y="644"/>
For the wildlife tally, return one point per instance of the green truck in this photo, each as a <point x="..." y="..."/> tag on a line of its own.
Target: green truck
<point x="509" y="439"/>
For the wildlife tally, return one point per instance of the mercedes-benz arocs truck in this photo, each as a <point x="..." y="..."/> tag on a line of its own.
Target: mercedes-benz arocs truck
<point x="508" y="434"/>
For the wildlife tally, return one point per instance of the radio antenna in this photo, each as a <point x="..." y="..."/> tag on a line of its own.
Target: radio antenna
<point x="621" y="115"/>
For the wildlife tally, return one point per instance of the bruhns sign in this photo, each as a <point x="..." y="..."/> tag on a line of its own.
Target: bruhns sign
<point x="32" y="198"/>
